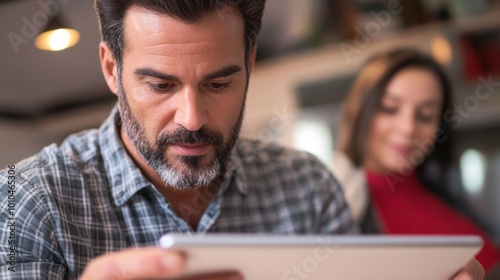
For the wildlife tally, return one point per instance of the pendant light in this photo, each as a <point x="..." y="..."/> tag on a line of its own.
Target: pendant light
<point x="57" y="36"/>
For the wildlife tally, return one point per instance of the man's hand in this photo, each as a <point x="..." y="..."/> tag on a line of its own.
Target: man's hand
<point x="144" y="263"/>
<point x="472" y="271"/>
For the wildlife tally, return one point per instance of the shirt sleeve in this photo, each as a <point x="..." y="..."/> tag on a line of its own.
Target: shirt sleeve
<point x="29" y="248"/>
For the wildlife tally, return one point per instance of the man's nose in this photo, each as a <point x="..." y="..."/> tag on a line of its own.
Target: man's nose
<point x="191" y="109"/>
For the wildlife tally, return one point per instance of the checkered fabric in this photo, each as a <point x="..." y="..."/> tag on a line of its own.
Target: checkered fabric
<point x="87" y="197"/>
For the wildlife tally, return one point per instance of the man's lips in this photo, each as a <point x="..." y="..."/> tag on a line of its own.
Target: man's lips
<point x="191" y="149"/>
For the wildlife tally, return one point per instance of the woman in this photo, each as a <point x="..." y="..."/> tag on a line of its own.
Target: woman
<point x="395" y="154"/>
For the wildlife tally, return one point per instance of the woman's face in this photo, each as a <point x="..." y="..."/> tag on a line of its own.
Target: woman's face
<point x="406" y="122"/>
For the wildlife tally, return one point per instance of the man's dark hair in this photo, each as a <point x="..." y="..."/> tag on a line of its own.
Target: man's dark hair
<point x="112" y="13"/>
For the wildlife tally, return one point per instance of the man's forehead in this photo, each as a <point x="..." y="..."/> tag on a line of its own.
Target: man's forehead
<point x="164" y="43"/>
<point x="224" y="24"/>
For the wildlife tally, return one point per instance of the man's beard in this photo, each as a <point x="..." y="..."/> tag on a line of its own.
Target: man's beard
<point x="194" y="174"/>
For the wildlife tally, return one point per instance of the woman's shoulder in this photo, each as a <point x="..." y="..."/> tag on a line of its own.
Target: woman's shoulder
<point x="353" y="182"/>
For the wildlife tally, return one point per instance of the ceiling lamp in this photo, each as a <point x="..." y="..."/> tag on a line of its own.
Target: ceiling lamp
<point x="441" y="50"/>
<point x="57" y="36"/>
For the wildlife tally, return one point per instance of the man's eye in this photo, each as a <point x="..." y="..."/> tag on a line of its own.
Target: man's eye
<point x="161" y="87"/>
<point x="217" y="87"/>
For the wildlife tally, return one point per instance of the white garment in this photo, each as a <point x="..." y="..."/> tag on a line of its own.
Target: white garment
<point x="353" y="181"/>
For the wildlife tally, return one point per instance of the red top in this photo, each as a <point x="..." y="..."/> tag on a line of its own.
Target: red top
<point x="404" y="206"/>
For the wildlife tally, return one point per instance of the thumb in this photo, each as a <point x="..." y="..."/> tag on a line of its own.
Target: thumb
<point x="463" y="276"/>
<point x="143" y="263"/>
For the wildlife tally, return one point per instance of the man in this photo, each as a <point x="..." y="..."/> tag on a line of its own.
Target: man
<point x="167" y="159"/>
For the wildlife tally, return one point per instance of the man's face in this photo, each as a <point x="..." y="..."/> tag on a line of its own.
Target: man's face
<point x="182" y="92"/>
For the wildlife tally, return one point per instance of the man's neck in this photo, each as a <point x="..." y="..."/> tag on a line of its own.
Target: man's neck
<point x="190" y="205"/>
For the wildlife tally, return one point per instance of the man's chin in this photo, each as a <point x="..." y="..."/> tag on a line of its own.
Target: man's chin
<point x="187" y="178"/>
<point x="194" y="166"/>
<point x="190" y="162"/>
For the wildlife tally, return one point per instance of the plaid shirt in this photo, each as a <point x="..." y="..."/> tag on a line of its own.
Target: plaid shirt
<point x="87" y="197"/>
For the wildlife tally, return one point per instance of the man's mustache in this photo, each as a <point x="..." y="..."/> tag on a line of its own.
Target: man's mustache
<point x="184" y="136"/>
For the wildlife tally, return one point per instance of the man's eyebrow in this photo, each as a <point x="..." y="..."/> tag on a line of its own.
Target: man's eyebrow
<point x="224" y="72"/>
<point x="148" y="72"/>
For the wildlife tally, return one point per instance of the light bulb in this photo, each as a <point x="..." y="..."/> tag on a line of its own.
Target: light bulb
<point x="57" y="40"/>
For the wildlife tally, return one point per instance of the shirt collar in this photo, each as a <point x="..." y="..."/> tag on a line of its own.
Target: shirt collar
<point x="236" y="168"/>
<point x="126" y="179"/>
<point x="124" y="176"/>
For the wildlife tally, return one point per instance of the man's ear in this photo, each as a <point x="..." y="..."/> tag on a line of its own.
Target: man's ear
<point x="109" y="67"/>
<point x="251" y="58"/>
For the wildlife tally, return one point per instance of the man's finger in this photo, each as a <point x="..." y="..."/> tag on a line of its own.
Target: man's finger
<point x="145" y="263"/>
<point x="463" y="276"/>
<point x="472" y="271"/>
<point x="215" y="276"/>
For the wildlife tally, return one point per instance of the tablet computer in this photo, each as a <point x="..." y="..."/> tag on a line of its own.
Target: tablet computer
<point x="300" y="257"/>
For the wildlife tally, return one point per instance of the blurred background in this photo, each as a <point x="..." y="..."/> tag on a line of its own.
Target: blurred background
<point x="309" y="54"/>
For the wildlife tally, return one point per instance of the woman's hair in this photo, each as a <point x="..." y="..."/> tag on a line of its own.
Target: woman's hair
<point x="363" y="101"/>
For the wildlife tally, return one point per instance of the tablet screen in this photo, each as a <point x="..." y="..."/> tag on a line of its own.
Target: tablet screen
<point x="309" y="257"/>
